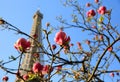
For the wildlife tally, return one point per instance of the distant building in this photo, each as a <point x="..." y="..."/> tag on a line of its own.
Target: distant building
<point x="29" y="57"/>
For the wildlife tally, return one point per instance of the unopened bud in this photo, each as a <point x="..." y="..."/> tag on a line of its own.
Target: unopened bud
<point x="47" y="24"/>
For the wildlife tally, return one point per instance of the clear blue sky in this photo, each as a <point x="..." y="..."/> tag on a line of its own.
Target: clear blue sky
<point x="20" y="13"/>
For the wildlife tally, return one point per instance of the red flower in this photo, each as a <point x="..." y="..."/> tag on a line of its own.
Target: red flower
<point x="102" y="10"/>
<point x="22" y="44"/>
<point x="61" y="38"/>
<point x="47" y="69"/>
<point x="91" y="13"/>
<point x="5" y="78"/>
<point x="25" y="77"/>
<point x="37" y="67"/>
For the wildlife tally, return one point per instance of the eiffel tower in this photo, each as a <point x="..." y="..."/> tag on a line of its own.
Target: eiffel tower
<point x="28" y="60"/>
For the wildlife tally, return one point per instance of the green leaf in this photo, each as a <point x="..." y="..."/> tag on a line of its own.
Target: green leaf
<point x="88" y="19"/>
<point x="59" y="72"/>
<point x="101" y="19"/>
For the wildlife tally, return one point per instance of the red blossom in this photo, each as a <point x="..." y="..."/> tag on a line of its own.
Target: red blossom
<point x="61" y="38"/>
<point x="37" y="67"/>
<point x="91" y="13"/>
<point x="102" y="10"/>
<point x="22" y="44"/>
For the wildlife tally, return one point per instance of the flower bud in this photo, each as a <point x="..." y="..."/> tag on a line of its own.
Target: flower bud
<point x="37" y="67"/>
<point x="5" y="78"/>
<point x="96" y="1"/>
<point x="2" y="21"/>
<point x="61" y="38"/>
<point x="101" y="37"/>
<point x="36" y="55"/>
<point x="47" y="69"/>
<point x="59" y="67"/>
<point x="88" y="4"/>
<point x="79" y="45"/>
<point x="91" y="13"/>
<point x="87" y="42"/>
<point x="25" y="77"/>
<point x="110" y="49"/>
<point x="112" y="74"/>
<point x="47" y="24"/>
<point x="102" y="10"/>
<point x="53" y="46"/>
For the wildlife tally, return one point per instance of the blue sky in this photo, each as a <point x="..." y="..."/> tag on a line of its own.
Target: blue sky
<point x="20" y="13"/>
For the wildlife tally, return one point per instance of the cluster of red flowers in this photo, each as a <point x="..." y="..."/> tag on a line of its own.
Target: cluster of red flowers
<point x="38" y="68"/>
<point x="61" y="39"/>
<point x="101" y="10"/>
<point x="41" y="70"/>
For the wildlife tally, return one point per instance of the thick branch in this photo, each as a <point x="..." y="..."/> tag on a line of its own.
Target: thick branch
<point x="90" y="78"/>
